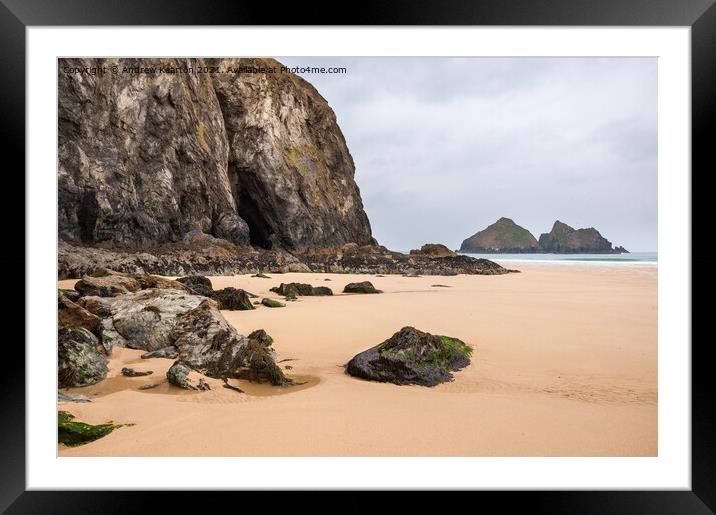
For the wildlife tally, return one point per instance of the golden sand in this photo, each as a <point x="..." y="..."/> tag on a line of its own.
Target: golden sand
<point x="565" y="364"/>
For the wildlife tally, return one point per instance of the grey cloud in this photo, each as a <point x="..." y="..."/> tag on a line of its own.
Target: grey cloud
<point x="445" y="146"/>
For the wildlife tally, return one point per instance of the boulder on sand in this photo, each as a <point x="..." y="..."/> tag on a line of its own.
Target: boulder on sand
<point x="233" y="299"/>
<point x="287" y="289"/>
<point x="208" y="344"/>
<point x="362" y="287"/>
<point x="178" y="375"/>
<point x="411" y="356"/>
<point x="130" y="372"/>
<point x="79" y="363"/>
<point x="144" y="319"/>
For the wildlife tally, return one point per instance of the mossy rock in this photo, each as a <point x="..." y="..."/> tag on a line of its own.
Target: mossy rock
<point x="270" y="303"/>
<point x="362" y="287"/>
<point x="411" y="356"/>
<point x="79" y="363"/>
<point x="261" y="276"/>
<point x="73" y="433"/>
<point x="304" y="289"/>
<point x="233" y="299"/>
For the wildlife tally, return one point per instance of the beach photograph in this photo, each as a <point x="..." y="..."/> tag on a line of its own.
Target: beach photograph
<point x="357" y="256"/>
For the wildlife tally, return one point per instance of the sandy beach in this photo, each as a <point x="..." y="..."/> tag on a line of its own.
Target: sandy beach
<point x="564" y="364"/>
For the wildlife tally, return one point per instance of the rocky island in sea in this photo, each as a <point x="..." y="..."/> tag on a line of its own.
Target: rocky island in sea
<point x="563" y="239"/>
<point x="503" y="236"/>
<point x="506" y="237"/>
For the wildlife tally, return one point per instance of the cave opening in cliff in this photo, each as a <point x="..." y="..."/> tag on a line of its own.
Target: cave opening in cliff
<point x="242" y="184"/>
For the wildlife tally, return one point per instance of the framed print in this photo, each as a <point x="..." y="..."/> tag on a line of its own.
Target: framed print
<point x="434" y="249"/>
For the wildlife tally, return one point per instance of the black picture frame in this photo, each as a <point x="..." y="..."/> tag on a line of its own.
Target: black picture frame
<point x="17" y="15"/>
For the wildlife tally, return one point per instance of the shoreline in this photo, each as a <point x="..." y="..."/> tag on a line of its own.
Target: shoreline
<point x="565" y="364"/>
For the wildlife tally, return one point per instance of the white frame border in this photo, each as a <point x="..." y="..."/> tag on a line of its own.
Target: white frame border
<point x="671" y="469"/>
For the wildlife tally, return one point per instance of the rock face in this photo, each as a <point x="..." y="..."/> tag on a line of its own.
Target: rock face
<point x="503" y="236"/>
<point x="563" y="239"/>
<point x="147" y="158"/>
<point x="79" y="363"/>
<point x="142" y="156"/>
<point x="289" y="166"/>
<point x="433" y="250"/>
<point x="411" y="356"/>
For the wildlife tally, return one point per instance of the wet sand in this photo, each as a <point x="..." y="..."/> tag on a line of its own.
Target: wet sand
<point x="565" y="364"/>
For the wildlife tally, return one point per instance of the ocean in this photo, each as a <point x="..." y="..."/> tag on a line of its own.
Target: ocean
<point x="634" y="258"/>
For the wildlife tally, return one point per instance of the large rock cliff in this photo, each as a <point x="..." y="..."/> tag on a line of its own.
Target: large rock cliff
<point x="147" y="157"/>
<point x="289" y="166"/>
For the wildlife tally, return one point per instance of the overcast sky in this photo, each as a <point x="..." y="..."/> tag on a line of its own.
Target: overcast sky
<point x="444" y="147"/>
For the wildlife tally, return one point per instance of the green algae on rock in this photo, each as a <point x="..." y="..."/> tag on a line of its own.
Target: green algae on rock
<point x="270" y="303"/>
<point x="79" y="363"/>
<point x="361" y="287"/>
<point x="73" y="433"/>
<point x="411" y="356"/>
<point x="287" y="289"/>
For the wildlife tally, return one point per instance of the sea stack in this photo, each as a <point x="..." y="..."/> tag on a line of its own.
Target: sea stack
<point x="563" y="239"/>
<point x="503" y="236"/>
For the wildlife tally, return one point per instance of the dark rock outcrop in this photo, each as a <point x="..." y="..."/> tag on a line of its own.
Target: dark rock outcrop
<point x="198" y="283"/>
<point x="563" y="239"/>
<point x="376" y="259"/>
<point x="295" y="289"/>
<point x="201" y="256"/>
<point x="208" y="344"/>
<point x="434" y="250"/>
<point x="233" y="299"/>
<point x="411" y="356"/>
<point x="503" y="236"/>
<point x="361" y="287"/>
<point x="79" y="363"/>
